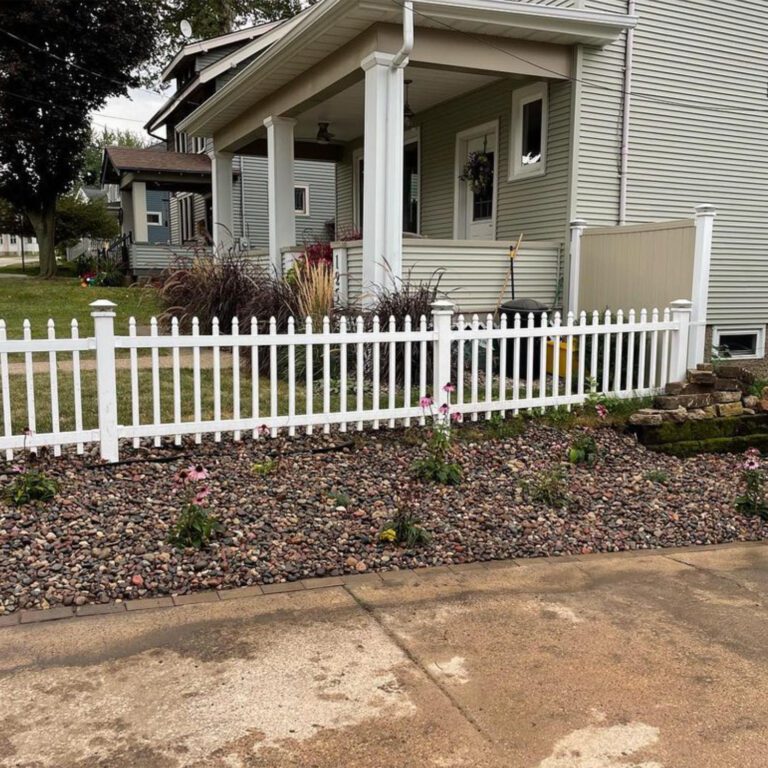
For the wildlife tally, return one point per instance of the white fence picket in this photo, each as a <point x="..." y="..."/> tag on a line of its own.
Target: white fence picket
<point x="635" y="360"/>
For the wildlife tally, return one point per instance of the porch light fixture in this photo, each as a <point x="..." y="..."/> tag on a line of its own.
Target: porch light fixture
<point x="324" y="136"/>
<point x="408" y="113"/>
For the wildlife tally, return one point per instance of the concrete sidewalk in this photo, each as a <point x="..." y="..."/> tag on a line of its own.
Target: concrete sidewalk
<point x="653" y="661"/>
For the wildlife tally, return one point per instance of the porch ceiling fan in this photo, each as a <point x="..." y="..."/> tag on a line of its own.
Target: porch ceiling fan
<point x="324" y="136"/>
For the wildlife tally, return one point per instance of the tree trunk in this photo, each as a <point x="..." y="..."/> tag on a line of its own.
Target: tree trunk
<point x="44" y="222"/>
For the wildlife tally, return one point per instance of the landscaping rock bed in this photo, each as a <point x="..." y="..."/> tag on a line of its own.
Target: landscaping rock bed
<point x="104" y="537"/>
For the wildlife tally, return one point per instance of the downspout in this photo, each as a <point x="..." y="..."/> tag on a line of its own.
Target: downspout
<point x="627" y="115"/>
<point x="243" y="234"/>
<point x="401" y="57"/>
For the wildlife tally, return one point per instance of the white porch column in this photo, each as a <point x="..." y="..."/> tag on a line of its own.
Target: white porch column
<point x="221" y="188"/>
<point x="383" y="178"/>
<point x="574" y="270"/>
<point x="139" y="200"/>
<point x="702" y="258"/>
<point x="282" y="208"/>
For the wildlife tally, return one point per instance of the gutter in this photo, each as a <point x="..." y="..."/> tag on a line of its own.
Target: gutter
<point x="629" y="54"/>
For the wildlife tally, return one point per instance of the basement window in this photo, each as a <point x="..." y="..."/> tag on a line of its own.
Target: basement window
<point x="530" y="110"/>
<point x="741" y="343"/>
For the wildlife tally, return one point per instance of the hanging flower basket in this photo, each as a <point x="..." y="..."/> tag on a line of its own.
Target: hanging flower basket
<point x="478" y="172"/>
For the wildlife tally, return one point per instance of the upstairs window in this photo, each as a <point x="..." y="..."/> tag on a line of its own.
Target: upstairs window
<point x="528" y="151"/>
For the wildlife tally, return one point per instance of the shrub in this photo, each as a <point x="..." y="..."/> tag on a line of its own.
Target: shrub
<point x="406" y="298"/>
<point x="228" y="286"/>
<point x="548" y="488"/>
<point x="315" y="290"/>
<point x="404" y="529"/>
<point x="583" y="450"/>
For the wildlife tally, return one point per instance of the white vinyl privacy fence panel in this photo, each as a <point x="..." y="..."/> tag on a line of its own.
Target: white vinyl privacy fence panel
<point x="351" y="374"/>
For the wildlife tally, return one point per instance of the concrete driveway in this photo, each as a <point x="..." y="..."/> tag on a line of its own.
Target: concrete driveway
<point x="655" y="661"/>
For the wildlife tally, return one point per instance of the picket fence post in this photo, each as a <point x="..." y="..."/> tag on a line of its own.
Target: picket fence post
<point x="678" y="355"/>
<point x="103" y="315"/>
<point x="442" y="317"/>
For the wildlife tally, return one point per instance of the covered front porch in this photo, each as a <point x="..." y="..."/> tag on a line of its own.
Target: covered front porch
<point x="405" y="99"/>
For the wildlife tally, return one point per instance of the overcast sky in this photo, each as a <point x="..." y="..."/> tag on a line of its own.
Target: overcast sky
<point x="130" y="112"/>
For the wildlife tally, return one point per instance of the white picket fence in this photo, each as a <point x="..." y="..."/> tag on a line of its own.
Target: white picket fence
<point x="366" y="376"/>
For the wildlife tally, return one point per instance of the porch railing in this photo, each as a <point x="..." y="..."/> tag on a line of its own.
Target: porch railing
<point x="473" y="273"/>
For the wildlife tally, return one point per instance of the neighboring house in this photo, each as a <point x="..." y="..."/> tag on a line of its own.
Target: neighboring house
<point x="167" y="190"/>
<point x="542" y="90"/>
<point x="15" y="245"/>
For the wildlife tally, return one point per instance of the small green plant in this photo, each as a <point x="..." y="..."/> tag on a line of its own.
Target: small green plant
<point x="341" y="499"/>
<point x="548" y="488"/>
<point x="757" y="388"/>
<point x="266" y="467"/>
<point x="583" y="450"/>
<point x="753" y="501"/>
<point x="405" y="529"/>
<point x="436" y="466"/>
<point x="502" y="429"/>
<point x="560" y="417"/>
<point x="658" y="476"/>
<point x="29" y="483"/>
<point x="195" y="526"/>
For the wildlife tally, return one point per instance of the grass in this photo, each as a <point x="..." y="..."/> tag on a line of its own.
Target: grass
<point x="62" y="299"/>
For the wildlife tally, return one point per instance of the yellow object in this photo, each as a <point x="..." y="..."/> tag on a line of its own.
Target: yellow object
<point x="563" y="362"/>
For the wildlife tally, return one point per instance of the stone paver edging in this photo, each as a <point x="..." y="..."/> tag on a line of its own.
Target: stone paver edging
<point x="382" y="578"/>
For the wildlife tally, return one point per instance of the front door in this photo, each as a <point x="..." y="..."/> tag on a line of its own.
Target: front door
<point x="476" y="214"/>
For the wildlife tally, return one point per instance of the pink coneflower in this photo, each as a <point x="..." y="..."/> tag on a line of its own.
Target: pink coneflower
<point x="27" y="432"/>
<point x="456" y="416"/>
<point x="426" y="402"/>
<point x="751" y="463"/>
<point x="443" y="409"/>
<point x="197" y="472"/>
<point x="449" y="388"/>
<point x="264" y="430"/>
<point x="201" y="496"/>
<point x="601" y="411"/>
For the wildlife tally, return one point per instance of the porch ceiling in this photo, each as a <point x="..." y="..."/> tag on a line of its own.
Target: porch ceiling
<point x="332" y="24"/>
<point x="345" y="110"/>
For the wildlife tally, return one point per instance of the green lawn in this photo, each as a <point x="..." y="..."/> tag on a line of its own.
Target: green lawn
<point x="63" y="299"/>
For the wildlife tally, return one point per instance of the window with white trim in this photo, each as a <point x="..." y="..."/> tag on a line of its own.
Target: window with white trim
<point x="301" y="200"/>
<point x="742" y="343"/>
<point x="154" y="218"/>
<point x="13" y="239"/>
<point x="530" y="114"/>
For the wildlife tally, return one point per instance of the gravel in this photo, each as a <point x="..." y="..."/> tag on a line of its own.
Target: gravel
<point x="104" y="537"/>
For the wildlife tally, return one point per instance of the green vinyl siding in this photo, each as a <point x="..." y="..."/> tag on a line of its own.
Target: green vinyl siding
<point x="538" y="207"/>
<point x="698" y="125"/>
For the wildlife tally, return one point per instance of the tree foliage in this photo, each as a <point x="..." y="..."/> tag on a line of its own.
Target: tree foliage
<point x="76" y="219"/>
<point x="106" y="137"/>
<point x="59" y="60"/>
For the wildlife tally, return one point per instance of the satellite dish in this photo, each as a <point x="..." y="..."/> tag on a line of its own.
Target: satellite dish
<point x="186" y="28"/>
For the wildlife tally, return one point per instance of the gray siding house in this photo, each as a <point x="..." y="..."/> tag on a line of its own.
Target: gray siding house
<point x="167" y="190"/>
<point x="605" y="112"/>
